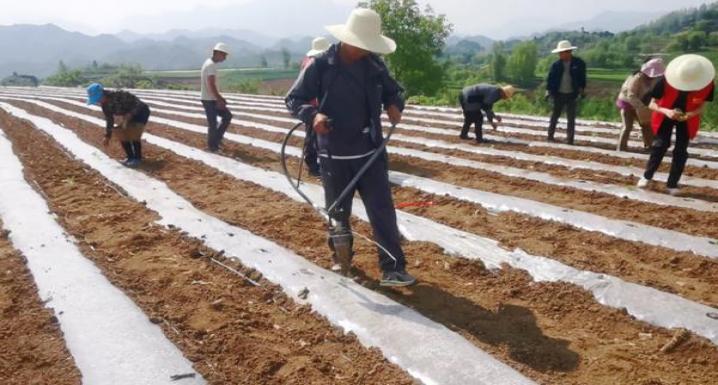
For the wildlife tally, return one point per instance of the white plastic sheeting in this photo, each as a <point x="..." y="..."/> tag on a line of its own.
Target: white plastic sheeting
<point x="626" y="230"/>
<point x="446" y="112"/>
<point x="110" y="338"/>
<point x="638" y="300"/>
<point x="442" y="357"/>
<point x="245" y="105"/>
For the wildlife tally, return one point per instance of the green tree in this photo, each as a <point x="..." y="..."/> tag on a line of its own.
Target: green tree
<point x="420" y="37"/>
<point x="521" y="65"/>
<point x="127" y="76"/>
<point x="498" y="62"/>
<point x="263" y="62"/>
<point x="286" y="57"/>
<point x="65" y="77"/>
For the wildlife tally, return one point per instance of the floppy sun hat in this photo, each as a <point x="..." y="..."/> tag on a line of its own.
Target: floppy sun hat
<point x="690" y="72"/>
<point x="653" y="68"/>
<point x="564" y="45"/>
<point x="94" y="93"/>
<point x="319" y="45"/>
<point x="363" y="30"/>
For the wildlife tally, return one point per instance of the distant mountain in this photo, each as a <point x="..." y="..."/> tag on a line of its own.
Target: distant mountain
<point x="612" y="21"/>
<point x="37" y="49"/>
<point x="255" y="38"/>
<point x="484" y="41"/>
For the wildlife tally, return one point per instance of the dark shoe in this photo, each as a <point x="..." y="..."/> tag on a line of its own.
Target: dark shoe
<point x="464" y="137"/>
<point x="213" y="150"/>
<point x="314" y="171"/>
<point x="397" y="279"/>
<point x="479" y="140"/>
<point x="132" y="163"/>
<point x="551" y="139"/>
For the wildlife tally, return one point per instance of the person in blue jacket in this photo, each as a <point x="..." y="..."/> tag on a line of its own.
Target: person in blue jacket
<point x="353" y="86"/>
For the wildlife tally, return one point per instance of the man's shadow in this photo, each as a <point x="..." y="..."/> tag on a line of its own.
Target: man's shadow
<point x="512" y="326"/>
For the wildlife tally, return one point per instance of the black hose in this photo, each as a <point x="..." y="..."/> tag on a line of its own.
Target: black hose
<point x="283" y="159"/>
<point x="350" y="187"/>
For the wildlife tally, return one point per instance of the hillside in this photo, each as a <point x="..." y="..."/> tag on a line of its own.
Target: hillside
<point x="37" y="49"/>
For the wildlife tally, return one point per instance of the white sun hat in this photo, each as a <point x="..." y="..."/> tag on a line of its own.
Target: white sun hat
<point x="690" y="72"/>
<point x="363" y="30"/>
<point x="564" y="45"/>
<point x="221" y="47"/>
<point x="319" y="45"/>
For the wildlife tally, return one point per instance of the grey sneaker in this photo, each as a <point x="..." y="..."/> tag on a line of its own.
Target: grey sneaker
<point x="397" y="278"/>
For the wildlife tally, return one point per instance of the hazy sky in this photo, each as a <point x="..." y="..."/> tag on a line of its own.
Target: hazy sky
<point x="498" y="19"/>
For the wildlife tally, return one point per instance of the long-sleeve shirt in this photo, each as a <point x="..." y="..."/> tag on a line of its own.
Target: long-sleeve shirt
<point x="123" y="103"/>
<point x="352" y="96"/>
<point x="481" y="97"/>
<point x="636" y="91"/>
<point x="577" y="70"/>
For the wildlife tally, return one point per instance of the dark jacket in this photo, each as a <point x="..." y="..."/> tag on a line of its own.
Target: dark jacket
<point x="123" y="103"/>
<point x="325" y="77"/>
<point x="480" y="97"/>
<point x="578" y="76"/>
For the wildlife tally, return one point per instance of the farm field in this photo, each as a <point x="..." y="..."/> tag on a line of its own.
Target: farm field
<point x="538" y="263"/>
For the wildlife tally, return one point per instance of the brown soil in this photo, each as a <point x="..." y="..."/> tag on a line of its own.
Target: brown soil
<point x="683" y="273"/>
<point x="554" y="333"/>
<point x="232" y="332"/>
<point x="599" y="176"/>
<point x="33" y="350"/>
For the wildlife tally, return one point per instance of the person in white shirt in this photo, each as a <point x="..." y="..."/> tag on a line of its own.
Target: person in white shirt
<point x="214" y="104"/>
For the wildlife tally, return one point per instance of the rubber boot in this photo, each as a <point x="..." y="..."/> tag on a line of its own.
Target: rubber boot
<point x="127" y="146"/>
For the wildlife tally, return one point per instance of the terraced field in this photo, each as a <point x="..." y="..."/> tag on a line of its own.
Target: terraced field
<point x="537" y="262"/>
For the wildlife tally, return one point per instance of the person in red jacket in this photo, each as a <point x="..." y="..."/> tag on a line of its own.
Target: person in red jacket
<point x="678" y="101"/>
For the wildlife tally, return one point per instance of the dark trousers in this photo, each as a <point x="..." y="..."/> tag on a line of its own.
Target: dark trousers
<point x="476" y="118"/>
<point x="471" y="118"/>
<point x="659" y="147"/>
<point x="133" y="149"/>
<point x="561" y="102"/>
<point x="215" y="133"/>
<point x="375" y="192"/>
<point x="310" y="150"/>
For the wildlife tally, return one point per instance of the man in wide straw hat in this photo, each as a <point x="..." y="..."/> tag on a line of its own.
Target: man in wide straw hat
<point x="477" y="98"/>
<point x="678" y="101"/>
<point x="213" y="102"/>
<point x="566" y="81"/>
<point x="353" y="86"/>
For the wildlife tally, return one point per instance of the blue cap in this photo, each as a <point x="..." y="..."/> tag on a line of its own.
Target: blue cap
<point x="94" y="93"/>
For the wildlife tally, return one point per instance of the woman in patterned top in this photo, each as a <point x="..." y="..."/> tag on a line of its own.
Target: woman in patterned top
<point x="126" y="116"/>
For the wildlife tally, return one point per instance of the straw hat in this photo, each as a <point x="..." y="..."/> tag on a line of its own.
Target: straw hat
<point x="319" y="45"/>
<point x="221" y="47"/>
<point x="363" y="30"/>
<point x="508" y="90"/>
<point x="690" y="72"/>
<point x="564" y="45"/>
<point x="654" y="68"/>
